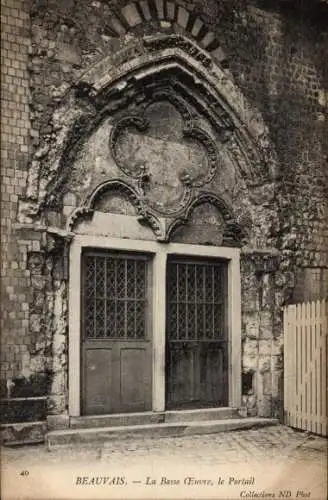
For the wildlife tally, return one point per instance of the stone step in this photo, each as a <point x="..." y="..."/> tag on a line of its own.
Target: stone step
<point x="116" y="420"/>
<point x="149" y="417"/>
<point x="169" y="429"/>
<point x="23" y="433"/>
<point x="201" y="414"/>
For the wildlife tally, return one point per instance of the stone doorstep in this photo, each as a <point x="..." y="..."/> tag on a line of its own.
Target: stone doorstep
<point x="170" y="429"/>
<point x="23" y="433"/>
<point x="149" y="417"/>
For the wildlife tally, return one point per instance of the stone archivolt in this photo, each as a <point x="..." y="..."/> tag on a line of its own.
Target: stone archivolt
<point x="167" y="14"/>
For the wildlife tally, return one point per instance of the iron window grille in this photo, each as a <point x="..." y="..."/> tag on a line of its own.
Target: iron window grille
<point x="196" y="301"/>
<point x="114" y="296"/>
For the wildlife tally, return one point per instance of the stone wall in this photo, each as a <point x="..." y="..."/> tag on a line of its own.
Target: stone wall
<point x="15" y="151"/>
<point x="275" y="56"/>
<point x="31" y="292"/>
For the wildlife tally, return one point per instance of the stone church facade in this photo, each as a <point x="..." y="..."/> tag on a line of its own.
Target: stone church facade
<point x="164" y="195"/>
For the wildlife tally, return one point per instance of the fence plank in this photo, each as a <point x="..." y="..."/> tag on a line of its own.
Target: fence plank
<point x="296" y="341"/>
<point x="309" y="365"/>
<point x="318" y="367"/>
<point x="286" y="365"/>
<point x="299" y="363"/>
<point x="323" y="363"/>
<point x="313" y="389"/>
<point x="293" y="331"/>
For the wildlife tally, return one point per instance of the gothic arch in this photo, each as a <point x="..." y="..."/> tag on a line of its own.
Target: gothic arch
<point x="233" y="233"/>
<point x="123" y="188"/>
<point x="130" y="76"/>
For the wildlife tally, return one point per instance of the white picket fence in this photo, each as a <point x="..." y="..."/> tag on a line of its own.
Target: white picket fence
<point x="305" y="366"/>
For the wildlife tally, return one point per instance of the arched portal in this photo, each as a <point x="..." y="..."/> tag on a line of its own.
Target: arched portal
<point x="153" y="175"/>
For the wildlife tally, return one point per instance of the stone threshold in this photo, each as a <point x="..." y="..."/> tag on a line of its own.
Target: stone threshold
<point x="152" y="417"/>
<point x="155" y="430"/>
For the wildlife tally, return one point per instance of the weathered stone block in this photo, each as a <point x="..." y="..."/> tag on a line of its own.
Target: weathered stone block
<point x="67" y="53"/>
<point x="250" y="402"/>
<point x="264" y="406"/>
<point x="160" y="8"/>
<point x="250" y="292"/>
<point x="277" y="381"/>
<point x="117" y="26"/>
<point x="267" y="383"/>
<point x="28" y="433"/>
<point x="56" y="404"/>
<point x="265" y="347"/>
<point x="277" y="346"/>
<point x="197" y="26"/>
<point x="249" y="355"/>
<point x="57" y="422"/>
<point x="249" y="363"/>
<point x="145" y="9"/>
<point x="264" y="364"/>
<point x="267" y="301"/>
<point x="69" y="199"/>
<point x="265" y="324"/>
<point x="131" y="14"/>
<point x="252" y="325"/>
<point x="38" y="282"/>
<point x="170" y="7"/>
<point x="250" y="348"/>
<point x="208" y="39"/>
<point x="219" y="54"/>
<point x="183" y="17"/>
<point x="67" y="210"/>
<point x="35" y="323"/>
<point x="277" y="363"/>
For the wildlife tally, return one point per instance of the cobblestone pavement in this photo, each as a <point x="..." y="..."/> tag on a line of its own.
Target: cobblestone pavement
<point x="286" y="458"/>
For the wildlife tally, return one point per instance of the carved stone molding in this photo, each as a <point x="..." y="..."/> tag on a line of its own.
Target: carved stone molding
<point x="162" y="227"/>
<point x="160" y="42"/>
<point x="81" y="213"/>
<point x="35" y="262"/>
<point x="145" y="216"/>
<point x="260" y="262"/>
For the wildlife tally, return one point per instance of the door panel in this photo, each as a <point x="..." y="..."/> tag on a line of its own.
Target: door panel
<point x="98" y="381"/>
<point x="213" y="374"/>
<point x="182" y="373"/>
<point x="196" y="346"/>
<point x="116" y="340"/>
<point x="135" y="378"/>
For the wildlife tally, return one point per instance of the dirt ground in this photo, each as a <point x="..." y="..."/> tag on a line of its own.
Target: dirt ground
<point x="273" y="462"/>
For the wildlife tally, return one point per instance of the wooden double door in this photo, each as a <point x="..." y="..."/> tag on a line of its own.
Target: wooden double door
<point x="117" y="350"/>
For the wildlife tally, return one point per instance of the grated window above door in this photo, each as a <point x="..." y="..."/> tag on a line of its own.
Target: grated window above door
<point x="114" y="296"/>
